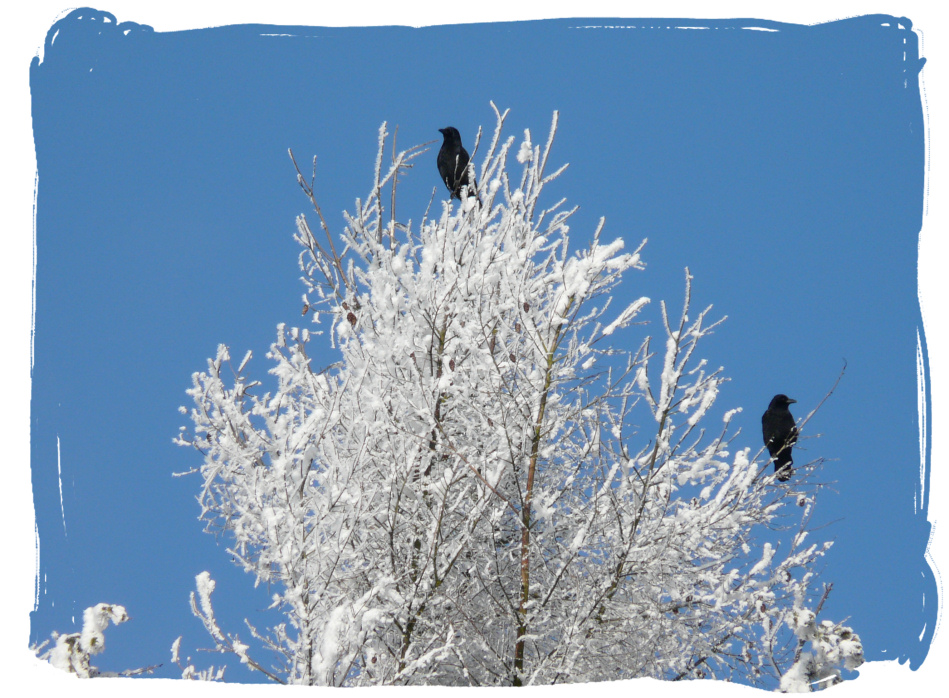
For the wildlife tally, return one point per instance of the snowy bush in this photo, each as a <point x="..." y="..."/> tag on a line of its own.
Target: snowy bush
<point x="833" y="647"/>
<point x="72" y="652"/>
<point x="480" y="491"/>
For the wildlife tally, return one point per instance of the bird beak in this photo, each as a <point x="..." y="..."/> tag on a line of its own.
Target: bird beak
<point x="441" y="131"/>
<point x="790" y="400"/>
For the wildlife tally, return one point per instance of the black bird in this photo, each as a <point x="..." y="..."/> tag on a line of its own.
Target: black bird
<point x="780" y="434"/>
<point x="453" y="162"/>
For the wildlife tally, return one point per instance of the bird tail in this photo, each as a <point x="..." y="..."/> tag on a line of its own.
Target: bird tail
<point x="782" y="465"/>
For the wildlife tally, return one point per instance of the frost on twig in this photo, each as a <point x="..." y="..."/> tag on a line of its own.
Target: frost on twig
<point x="230" y="643"/>
<point x="189" y="672"/>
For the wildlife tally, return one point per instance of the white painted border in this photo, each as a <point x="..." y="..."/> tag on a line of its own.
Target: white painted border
<point x="24" y="33"/>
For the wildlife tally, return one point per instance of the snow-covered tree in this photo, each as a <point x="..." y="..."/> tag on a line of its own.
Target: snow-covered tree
<point x="481" y="490"/>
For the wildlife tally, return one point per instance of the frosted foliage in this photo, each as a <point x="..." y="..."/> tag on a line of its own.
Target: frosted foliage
<point x="832" y="647"/>
<point x="479" y="491"/>
<point x="73" y="652"/>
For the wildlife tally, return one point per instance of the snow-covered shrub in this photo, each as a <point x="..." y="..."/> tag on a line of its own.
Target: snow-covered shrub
<point x="833" y="647"/>
<point x="72" y="652"/>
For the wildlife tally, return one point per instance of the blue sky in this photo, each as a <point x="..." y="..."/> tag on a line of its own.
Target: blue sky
<point x="785" y="168"/>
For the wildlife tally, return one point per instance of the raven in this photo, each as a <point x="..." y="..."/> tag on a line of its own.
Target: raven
<point x="453" y="162"/>
<point x="780" y="434"/>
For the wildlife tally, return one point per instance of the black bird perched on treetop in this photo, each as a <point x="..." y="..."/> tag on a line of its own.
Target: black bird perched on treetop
<point x="453" y="162"/>
<point x="780" y="434"/>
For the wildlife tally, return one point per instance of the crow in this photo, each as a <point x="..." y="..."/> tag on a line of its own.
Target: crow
<point x="453" y="162"/>
<point x="780" y="434"/>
